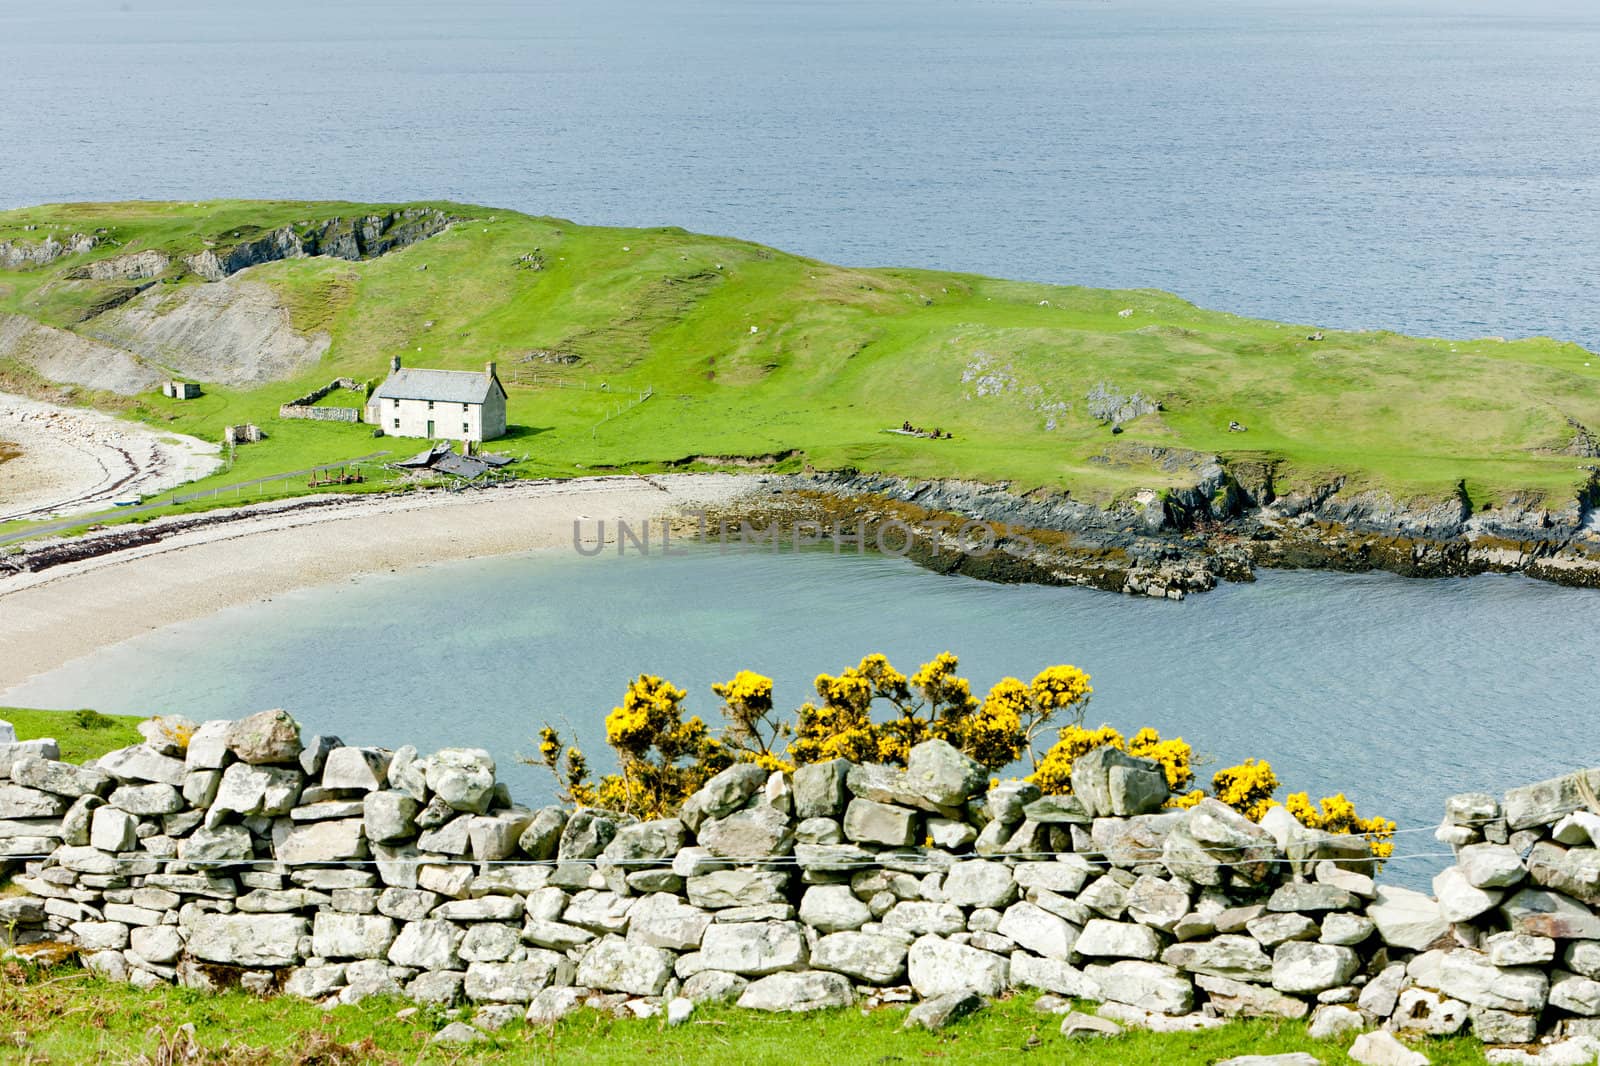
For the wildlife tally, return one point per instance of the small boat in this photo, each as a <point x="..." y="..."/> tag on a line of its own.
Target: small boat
<point x="127" y="501"/>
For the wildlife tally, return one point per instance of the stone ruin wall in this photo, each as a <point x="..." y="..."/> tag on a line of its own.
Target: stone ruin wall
<point x="246" y="854"/>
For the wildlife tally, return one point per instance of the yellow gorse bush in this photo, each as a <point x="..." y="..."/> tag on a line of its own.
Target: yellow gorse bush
<point x="1335" y="814"/>
<point x="871" y="712"/>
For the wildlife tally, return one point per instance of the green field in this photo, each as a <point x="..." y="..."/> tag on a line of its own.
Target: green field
<point x="80" y="734"/>
<point x="67" y="1016"/>
<point x="749" y="351"/>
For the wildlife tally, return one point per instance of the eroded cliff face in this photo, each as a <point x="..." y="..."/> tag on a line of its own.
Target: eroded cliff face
<point x="133" y="330"/>
<point x="235" y="332"/>
<point x="340" y="238"/>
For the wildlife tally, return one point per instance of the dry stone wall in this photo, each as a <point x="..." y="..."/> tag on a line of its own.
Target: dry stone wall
<point x="240" y="852"/>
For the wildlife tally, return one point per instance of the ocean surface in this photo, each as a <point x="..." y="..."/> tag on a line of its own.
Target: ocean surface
<point x="1396" y="692"/>
<point x="1431" y="166"/>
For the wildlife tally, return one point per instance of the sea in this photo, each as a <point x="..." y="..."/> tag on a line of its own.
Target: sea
<point x="1424" y="166"/>
<point x="1427" y="166"/>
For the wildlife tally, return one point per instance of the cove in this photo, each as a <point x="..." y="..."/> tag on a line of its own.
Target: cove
<point x="1394" y="691"/>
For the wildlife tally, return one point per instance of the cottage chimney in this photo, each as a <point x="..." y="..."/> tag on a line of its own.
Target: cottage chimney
<point x="488" y="370"/>
<point x="394" y="365"/>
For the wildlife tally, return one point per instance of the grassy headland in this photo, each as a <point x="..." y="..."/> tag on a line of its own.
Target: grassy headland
<point x="81" y="734"/>
<point x="751" y="352"/>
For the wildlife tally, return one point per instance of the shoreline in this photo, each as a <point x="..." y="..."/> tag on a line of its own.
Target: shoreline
<point x="61" y="613"/>
<point x="72" y="460"/>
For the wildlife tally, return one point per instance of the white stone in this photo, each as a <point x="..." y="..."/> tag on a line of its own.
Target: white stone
<point x="1406" y="918"/>
<point x="979" y="883"/>
<point x="869" y="957"/>
<point x="1118" y="940"/>
<point x="1149" y="986"/>
<point x="426" y="945"/>
<point x="1459" y="899"/>
<point x="616" y="965"/>
<point x="754" y="948"/>
<point x="1380" y="1048"/>
<point x="1038" y="930"/>
<point x="833" y="908"/>
<point x="795" y="992"/>
<point x="937" y="966"/>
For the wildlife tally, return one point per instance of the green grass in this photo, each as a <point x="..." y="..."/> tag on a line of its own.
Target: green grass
<point x="837" y="356"/>
<point x="68" y="1016"/>
<point x="81" y="734"/>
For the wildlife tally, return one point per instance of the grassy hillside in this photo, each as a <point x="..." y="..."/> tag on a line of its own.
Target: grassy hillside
<point x="753" y="352"/>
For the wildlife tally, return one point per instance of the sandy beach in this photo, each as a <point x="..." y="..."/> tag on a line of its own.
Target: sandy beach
<point x="66" y="460"/>
<point x="54" y="616"/>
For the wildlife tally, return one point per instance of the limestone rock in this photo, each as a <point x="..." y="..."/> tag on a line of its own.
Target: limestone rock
<point x="653" y="841"/>
<point x="1104" y="938"/>
<point x="937" y="966"/>
<point x="462" y="777"/>
<point x="754" y="948"/>
<point x="869" y="957"/>
<point x="140" y="763"/>
<point x="1111" y="782"/>
<point x="268" y="738"/>
<point x="1149" y="986"/>
<point x="940" y="1011"/>
<point x="736" y="888"/>
<point x="427" y="945"/>
<point x="342" y="840"/>
<point x="1228" y="955"/>
<point x="833" y="909"/>
<point x="664" y="921"/>
<point x="390" y="816"/>
<point x="1406" y="918"/>
<point x="1459" y="899"/>
<point x="725" y="793"/>
<point x="979" y="883"/>
<point x="614" y="964"/>
<point x="516" y="982"/>
<point x="1380" y="1048"/>
<point x="1538" y="912"/>
<point x="1036" y="929"/>
<point x="1490" y="865"/>
<point x="541" y="839"/>
<point x="795" y="992"/>
<point x="758" y="832"/>
<point x="819" y="789"/>
<point x="1301" y="967"/>
<point x="352" y="936"/>
<point x="358" y="769"/>
<point x="247" y="939"/>
<point x="869" y="822"/>
<point x="61" y="778"/>
<point x="941" y="774"/>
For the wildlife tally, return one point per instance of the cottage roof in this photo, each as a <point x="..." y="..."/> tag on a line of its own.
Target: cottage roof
<point x="445" y="386"/>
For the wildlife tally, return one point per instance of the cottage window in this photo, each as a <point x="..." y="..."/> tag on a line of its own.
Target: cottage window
<point x="397" y="423"/>
<point x="430" y="405"/>
<point x="464" y="428"/>
<point x="465" y="408"/>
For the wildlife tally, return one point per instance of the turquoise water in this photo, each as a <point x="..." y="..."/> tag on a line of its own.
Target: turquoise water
<point x="1397" y="692"/>
<point x="1422" y="165"/>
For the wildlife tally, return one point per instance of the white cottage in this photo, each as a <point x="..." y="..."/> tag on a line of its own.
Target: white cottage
<point x="439" y="404"/>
